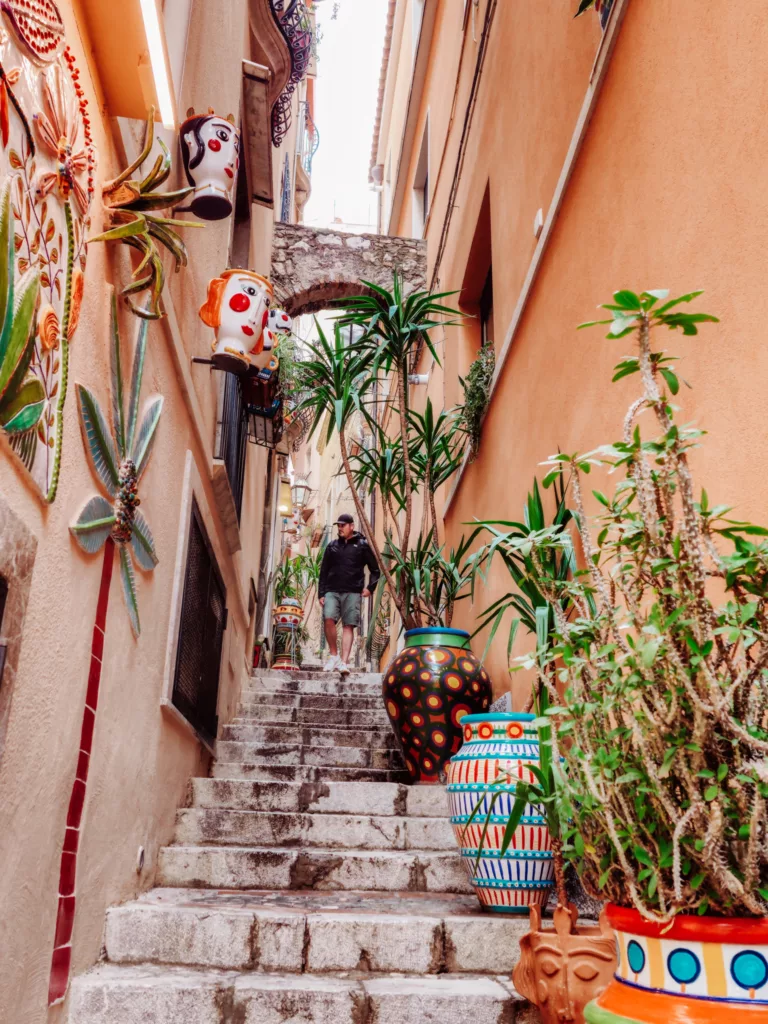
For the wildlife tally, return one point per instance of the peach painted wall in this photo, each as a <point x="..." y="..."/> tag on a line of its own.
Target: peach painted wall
<point x="668" y="191"/>
<point x="142" y="758"/>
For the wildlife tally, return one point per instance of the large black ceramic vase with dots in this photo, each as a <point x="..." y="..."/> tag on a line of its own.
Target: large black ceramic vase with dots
<point x="428" y="688"/>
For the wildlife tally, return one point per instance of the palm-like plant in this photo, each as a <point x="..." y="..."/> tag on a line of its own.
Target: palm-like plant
<point x="436" y="453"/>
<point x="119" y="457"/>
<point x="132" y="206"/>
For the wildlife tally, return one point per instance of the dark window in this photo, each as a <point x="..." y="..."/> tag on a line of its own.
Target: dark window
<point x="233" y="437"/>
<point x="486" y="311"/>
<point x="203" y="621"/>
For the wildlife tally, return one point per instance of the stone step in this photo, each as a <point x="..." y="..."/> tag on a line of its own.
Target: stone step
<point x="314" y="675"/>
<point x="331" y="687"/>
<point x="302" y="773"/>
<point x="145" y="994"/>
<point x="288" y="754"/>
<point x="314" y="932"/>
<point x="276" y="714"/>
<point x="226" y="827"/>
<point x="249" y="867"/>
<point x="379" y="798"/>
<point x="309" y="735"/>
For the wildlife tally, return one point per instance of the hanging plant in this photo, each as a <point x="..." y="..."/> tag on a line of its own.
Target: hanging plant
<point x="477" y="395"/>
<point x="133" y="209"/>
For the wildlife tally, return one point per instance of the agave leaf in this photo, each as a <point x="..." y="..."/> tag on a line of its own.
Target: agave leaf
<point x="136" y="377"/>
<point x="159" y="200"/>
<point x="143" y="543"/>
<point x="142" y="447"/>
<point x="159" y="173"/>
<point x="100" y="444"/>
<point x="23" y="410"/>
<point x="7" y="221"/>
<point x="17" y="340"/>
<point x="137" y="225"/>
<point x="118" y="421"/>
<point x="150" y="138"/>
<point x="94" y="524"/>
<point x="129" y="590"/>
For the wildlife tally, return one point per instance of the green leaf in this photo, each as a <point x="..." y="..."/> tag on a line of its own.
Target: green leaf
<point x="98" y="441"/>
<point x="23" y="410"/>
<point x="129" y="589"/>
<point x="137" y="375"/>
<point x="94" y="525"/>
<point x="627" y="300"/>
<point x="672" y="382"/>
<point x="142" y="543"/>
<point x="711" y="792"/>
<point x="142" y="447"/>
<point x="118" y="422"/>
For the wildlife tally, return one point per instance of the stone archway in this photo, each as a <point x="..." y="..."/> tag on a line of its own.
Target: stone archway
<point x="313" y="267"/>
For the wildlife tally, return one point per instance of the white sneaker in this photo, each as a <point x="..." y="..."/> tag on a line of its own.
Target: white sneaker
<point x="333" y="663"/>
<point x="343" y="668"/>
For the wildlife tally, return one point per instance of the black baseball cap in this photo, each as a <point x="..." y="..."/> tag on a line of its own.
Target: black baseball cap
<point x="345" y="517"/>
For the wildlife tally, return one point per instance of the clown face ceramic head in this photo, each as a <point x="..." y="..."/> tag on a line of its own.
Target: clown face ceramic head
<point x="209" y="147"/>
<point x="279" y="322"/>
<point x="237" y="307"/>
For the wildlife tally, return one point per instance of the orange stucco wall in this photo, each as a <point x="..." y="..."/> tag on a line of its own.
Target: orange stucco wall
<point x="667" y="191"/>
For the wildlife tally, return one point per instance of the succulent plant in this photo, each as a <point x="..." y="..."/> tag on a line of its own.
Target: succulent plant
<point x="21" y="402"/>
<point x="133" y="207"/>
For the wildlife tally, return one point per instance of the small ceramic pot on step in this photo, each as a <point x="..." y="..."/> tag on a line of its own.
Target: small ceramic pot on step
<point x="498" y="745"/>
<point x="698" y="970"/>
<point x="428" y="688"/>
<point x="288" y="614"/>
<point x="562" y="968"/>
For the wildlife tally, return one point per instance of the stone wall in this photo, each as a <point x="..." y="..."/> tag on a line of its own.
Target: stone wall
<point x="311" y="267"/>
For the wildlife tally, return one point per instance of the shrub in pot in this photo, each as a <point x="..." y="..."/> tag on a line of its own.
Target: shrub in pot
<point x="664" y="727"/>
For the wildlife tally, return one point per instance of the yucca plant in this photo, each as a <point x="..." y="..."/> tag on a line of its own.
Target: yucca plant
<point x="119" y="453"/>
<point x="21" y="401"/>
<point x="133" y="206"/>
<point x="435" y="454"/>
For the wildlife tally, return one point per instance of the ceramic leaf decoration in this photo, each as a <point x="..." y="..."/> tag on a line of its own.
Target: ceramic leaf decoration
<point x="21" y="401"/>
<point x="47" y="159"/>
<point x="133" y="207"/>
<point x="119" y="452"/>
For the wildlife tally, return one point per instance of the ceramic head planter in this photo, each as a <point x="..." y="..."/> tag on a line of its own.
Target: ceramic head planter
<point x="561" y="970"/>
<point x="209" y="148"/>
<point x="279" y="322"/>
<point x="237" y="307"/>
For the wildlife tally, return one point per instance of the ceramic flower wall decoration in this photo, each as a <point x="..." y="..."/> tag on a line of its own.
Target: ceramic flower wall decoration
<point x="133" y="207"/>
<point x="210" y="147"/>
<point x="47" y="161"/>
<point x="119" y="453"/>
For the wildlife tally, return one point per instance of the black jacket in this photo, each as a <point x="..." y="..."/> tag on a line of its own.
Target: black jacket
<point x="343" y="567"/>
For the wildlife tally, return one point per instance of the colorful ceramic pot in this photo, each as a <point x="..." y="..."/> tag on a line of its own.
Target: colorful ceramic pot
<point x="210" y="152"/>
<point x="698" y="970"/>
<point x="288" y="614"/>
<point x="428" y="689"/>
<point x="498" y="745"/>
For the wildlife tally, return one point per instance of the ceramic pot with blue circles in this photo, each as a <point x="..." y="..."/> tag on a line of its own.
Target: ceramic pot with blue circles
<point x="696" y="970"/>
<point x="428" y="689"/>
<point x="500" y="746"/>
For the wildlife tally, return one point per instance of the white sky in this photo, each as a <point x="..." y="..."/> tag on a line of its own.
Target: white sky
<point x="345" y="107"/>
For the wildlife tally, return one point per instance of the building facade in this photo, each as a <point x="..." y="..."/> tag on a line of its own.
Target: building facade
<point x="549" y="161"/>
<point x="122" y="652"/>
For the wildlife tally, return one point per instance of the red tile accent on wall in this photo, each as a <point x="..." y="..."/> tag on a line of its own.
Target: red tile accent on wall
<point x="61" y="960"/>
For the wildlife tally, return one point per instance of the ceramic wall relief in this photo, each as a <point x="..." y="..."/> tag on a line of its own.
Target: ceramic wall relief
<point x="237" y="307"/>
<point x="210" y="147"/>
<point x="46" y="161"/>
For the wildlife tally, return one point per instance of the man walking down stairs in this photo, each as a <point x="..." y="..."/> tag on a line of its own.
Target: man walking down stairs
<point x="307" y="884"/>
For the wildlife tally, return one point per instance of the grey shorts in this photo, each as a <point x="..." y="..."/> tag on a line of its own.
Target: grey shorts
<point x="343" y="606"/>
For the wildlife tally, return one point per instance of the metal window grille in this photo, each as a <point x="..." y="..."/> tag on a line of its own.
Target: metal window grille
<point x="203" y="621"/>
<point x="233" y="437"/>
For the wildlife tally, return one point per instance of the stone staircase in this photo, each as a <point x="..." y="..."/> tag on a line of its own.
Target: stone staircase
<point x="307" y="884"/>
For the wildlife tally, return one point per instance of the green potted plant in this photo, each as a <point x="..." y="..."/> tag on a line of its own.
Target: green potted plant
<point x="664" y="725"/>
<point x="436" y="680"/>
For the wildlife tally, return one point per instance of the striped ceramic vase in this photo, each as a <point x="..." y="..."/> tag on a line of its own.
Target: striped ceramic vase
<point x="498" y="746"/>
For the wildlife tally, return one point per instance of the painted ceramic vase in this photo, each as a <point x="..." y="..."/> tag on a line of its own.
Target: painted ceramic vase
<point x="498" y="745"/>
<point x="288" y="614"/>
<point x="428" y="689"/>
<point x="210" y="152"/>
<point x="237" y="307"/>
<point x="698" y="970"/>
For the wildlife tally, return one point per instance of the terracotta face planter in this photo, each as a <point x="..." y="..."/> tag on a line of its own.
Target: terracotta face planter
<point x="238" y="308"/>
<point x="698" y="970"/>
<point x="500" y="745"/>
<point x="562" y="968"/>
<point x="428" y="688"/>
<point x="210" y="151"/>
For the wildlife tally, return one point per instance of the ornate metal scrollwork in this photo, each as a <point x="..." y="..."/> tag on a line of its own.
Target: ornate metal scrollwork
<point x="293" y="21"/>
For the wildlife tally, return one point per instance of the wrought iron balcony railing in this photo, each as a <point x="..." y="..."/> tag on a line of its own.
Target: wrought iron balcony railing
<point x="294" y="22"/>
